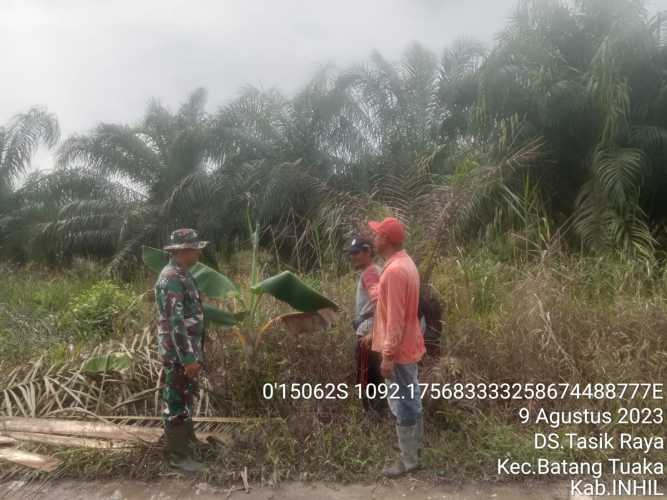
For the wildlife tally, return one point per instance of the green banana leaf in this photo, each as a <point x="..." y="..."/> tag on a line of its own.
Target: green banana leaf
<point x="210" y="282"/>
<point x="288" y="288"/>
<point x="154" y="259"/>
<point x="112" y="362"/>
<point x="224" y="318"/>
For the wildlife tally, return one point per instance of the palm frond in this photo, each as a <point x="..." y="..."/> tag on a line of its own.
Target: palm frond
<point x="21" y="138"/>
<point x="113" y="150"/>
<point x="620" y="174"/>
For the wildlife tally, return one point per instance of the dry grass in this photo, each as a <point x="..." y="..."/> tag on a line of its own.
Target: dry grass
<point x="555" y="323"/>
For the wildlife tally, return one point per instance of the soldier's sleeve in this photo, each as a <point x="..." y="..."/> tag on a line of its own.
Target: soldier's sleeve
<point x="172" y="293"/>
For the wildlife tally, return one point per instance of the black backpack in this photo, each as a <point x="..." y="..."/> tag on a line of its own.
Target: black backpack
<point x="431" y="311"/>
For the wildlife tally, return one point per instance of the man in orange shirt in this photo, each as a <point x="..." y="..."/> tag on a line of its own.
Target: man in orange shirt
<point x="398" y="337"/>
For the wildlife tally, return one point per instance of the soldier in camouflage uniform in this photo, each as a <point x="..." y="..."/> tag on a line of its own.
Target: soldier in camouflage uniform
<point x="180" y="344"/>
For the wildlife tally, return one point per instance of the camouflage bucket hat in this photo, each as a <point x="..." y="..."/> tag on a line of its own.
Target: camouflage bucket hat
<point x="183" y="239"/>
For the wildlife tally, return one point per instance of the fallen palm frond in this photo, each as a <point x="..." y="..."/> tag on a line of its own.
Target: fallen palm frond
<point x="99" y="430"/>
<point x="120" y="381"/>
<point x="207" y="428"/>
<point x="7" y="441"/>
<point x="196" y="420"/>
<point x="122" y="378"/>
<point x="32" y="460"/>
<point x="67" y="441"/>
<point x="103" y="435"/>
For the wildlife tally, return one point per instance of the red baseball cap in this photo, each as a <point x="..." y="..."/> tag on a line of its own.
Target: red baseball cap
<point x="391" y="228"/>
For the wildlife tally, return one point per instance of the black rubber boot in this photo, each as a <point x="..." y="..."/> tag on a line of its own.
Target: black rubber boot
<point x="192" y="437"/>
<point x="179" y="449"/>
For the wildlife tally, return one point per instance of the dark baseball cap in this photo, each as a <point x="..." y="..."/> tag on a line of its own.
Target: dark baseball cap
<point x="359" y="244"/>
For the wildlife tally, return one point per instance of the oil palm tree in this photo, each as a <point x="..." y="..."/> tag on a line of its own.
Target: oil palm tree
<point x="278" y="148"/>
<point x="21" y="137"/>
<point x="167" y="160"/>
<point x="64" y="213"/>
<point x="400" y="106"/>
<point x="590" y="81"/>
<point x="19" y="140"/>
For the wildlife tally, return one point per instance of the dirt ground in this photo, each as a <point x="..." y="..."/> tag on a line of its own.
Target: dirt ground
<point x="175" y="489"/>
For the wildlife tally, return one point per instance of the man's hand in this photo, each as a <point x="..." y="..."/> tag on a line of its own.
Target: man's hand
<point x="367" y="340"/>
<point x="387" y="367"/>
<point x="192" y="370"/>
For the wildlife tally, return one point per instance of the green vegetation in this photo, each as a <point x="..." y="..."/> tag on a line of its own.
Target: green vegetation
<point x="93" y="312"/>
<point x="564" y="318"/>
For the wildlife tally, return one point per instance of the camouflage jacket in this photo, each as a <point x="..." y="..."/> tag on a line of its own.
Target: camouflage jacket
<point x="180" y="316"/>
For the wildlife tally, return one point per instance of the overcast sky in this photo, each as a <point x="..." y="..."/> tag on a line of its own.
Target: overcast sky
<point x="90" y="61"/>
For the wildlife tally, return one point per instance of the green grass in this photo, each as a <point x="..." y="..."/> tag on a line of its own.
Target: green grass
<point x="60" y="315"/>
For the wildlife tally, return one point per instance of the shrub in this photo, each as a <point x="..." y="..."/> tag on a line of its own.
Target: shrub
<point x="96" y="310"/>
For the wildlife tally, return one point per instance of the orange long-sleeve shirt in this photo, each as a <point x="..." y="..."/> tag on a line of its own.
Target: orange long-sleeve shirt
<point x="396" y="332"/>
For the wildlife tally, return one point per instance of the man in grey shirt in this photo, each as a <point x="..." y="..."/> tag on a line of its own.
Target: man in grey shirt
<point x="368" y="362"/>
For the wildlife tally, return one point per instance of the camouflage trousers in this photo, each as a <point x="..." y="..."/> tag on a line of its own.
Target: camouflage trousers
<point x="177" y="395"/>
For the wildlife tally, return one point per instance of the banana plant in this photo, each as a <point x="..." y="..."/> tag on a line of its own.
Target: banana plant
<point x="315" y="311"/>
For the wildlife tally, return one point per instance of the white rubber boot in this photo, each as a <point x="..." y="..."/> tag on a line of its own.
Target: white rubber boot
<point x="420" y="433"/>
<point x="408" y="460"/>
